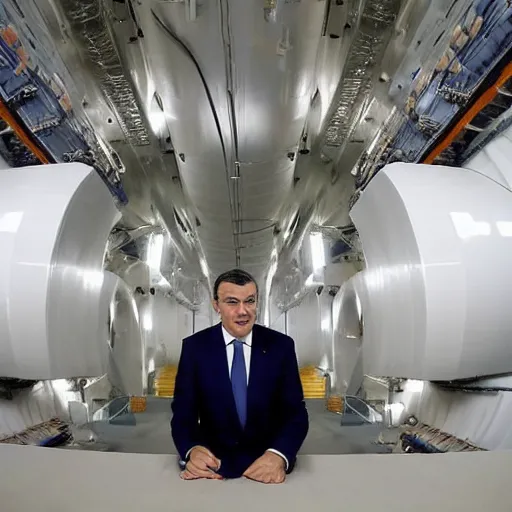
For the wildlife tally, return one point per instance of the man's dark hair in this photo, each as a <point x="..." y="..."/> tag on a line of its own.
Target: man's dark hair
<point x="235" y="276"/>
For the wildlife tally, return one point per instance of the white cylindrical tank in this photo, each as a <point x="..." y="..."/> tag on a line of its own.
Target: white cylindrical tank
<point x="54" y="294"/>
<point x="437" y="290"/>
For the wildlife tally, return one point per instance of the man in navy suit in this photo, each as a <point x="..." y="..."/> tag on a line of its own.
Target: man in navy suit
<point x="238" y="406"/>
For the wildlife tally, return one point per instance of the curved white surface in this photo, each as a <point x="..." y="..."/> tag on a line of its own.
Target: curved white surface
<point x="347" y="339"/>
<point x="438" y="284"/>
<point x="54" y="224"/>
<point x="126" y="370"/>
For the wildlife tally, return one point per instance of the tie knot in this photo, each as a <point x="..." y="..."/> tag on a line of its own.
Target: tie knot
<point x="238" y="343"/>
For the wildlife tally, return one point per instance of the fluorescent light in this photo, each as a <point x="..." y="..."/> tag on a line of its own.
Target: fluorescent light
<point x="414" y="386"/>
<point x="155" y="248"/>
<point x="317" y="251"/>
<point x="147" y="322"/>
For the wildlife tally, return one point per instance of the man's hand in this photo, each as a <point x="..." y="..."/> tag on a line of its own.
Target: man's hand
<point x="201" y="464"/>
<point x="268" y="469"/>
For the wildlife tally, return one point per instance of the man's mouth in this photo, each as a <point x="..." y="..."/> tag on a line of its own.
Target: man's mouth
<point x="242" y="323"/>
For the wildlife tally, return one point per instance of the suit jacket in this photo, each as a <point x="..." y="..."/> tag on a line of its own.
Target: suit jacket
<point x="204" y="411"/>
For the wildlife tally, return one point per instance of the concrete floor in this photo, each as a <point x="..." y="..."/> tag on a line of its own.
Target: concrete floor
<point x="151" y="433"/>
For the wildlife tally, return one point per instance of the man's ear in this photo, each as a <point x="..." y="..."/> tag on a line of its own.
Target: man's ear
<point x="215" y="304"/>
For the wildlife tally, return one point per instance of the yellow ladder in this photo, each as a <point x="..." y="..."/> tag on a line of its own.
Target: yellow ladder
<point x="313" y="382"/>
<point x="165" y="381"/>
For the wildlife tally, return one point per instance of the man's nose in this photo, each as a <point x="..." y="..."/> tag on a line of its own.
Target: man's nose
<point x="241" y="309"/>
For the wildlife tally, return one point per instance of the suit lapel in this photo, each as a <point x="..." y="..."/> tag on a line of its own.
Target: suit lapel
<point x="257" y="370"/>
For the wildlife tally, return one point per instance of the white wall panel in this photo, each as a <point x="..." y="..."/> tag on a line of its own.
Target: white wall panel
<point x="304" y="326"/>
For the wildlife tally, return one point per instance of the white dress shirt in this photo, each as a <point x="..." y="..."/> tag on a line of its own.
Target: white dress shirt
<point x="230" y="350"/>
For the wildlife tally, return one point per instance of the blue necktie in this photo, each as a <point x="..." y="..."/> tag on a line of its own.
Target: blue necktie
<point x="239" y="381"/>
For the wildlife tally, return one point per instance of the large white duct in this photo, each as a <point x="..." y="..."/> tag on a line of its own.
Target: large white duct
<point x="54" y="294"/>
<point x="437" y="290"/>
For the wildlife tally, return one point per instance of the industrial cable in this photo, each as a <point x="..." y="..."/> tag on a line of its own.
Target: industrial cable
<point x="189" y="53"/>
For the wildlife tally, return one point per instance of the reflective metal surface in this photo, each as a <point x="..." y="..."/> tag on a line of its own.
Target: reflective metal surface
<point x="237" y="126"/>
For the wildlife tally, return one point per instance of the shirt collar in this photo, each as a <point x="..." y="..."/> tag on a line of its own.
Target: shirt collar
<point x="228" y="338"/>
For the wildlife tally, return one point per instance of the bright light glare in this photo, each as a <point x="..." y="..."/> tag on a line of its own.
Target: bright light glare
<point x="61" y="385"/>
<point x="92" y="278"/>
<point x="10" y="222"/>
<point x="317" y="251"/>
<point x="358" y="307"/>
<point x="325" y="324"/>
<point x="204" y="266"/>
<point x="396" y="409"/>
<point x="414" y="386"/>
<point x="147" y="322"/>
<point x="154" y="256"/>
<point x="467" y="227"/>
<point x="310" y="281"/>
<point x="157" y="121"/>
<point x="505" y="228"/>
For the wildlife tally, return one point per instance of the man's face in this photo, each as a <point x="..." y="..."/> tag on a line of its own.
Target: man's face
<point x="237" y="308"/>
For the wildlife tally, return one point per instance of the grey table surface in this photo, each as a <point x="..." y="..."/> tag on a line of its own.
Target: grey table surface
<point x="48" y="479"/>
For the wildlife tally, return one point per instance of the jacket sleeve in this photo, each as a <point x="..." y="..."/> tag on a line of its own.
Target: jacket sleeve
<point x="295" y="422"/>
<point x="185" y="408"/>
